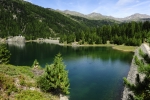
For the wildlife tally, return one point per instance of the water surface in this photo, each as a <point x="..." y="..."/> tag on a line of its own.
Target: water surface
<point x="95" y="73"/>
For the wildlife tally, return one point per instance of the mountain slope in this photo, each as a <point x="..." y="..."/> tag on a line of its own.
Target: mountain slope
<point x="74" y="13"/>
<point x="32" y="21"/>
<point x="94" y="23"/>
<point x="91" y="20"/>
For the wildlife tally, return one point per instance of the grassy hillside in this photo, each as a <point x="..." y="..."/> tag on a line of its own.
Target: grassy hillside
<point x="19" y="83"/>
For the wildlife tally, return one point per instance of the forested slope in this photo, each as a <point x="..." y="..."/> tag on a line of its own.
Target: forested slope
<point x="94" y="23"/>
<point x="131" y="33"/>
<point x="20" y="17"/>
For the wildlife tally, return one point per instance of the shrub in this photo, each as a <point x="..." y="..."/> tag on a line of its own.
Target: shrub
<point x="36" y="64"/>
<point x="141" y="53"/>
<point x="138" y="62"/>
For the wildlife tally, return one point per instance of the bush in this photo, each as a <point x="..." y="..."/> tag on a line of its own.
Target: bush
<point x="141" y="53"/>
<point x="36" y="64"/>
<point x="138" y="62"/>
<point x="128" y="84"/>
<point x="145" y="56"/>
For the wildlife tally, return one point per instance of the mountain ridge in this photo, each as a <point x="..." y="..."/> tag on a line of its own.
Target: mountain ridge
<point x="99" y="16"/>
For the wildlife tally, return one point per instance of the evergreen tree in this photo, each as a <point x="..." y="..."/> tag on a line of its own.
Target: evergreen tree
<point x="4" y="55"/>
<point x="36" y="64"/>
<point x="55" y="78"/>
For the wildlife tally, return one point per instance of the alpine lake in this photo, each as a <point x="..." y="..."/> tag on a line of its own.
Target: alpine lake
<point x="95" y="73"/>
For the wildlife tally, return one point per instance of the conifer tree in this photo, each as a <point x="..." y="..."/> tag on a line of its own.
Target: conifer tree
<point x="55" y="78"/>
<point x="36" y="64"/>
<point x="4" y="54"/>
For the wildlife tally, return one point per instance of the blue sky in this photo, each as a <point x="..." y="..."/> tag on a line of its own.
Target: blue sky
<point x="115" y="8"/>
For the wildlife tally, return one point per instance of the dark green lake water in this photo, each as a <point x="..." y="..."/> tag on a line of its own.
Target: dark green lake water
<point x="95" y="73"/>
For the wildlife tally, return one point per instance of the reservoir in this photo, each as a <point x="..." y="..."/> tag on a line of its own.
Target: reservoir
<point x="95" y="73"/>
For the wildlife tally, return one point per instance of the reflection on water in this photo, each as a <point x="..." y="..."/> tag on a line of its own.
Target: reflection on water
<point x="95" y="73"/>
<point x="20" y="45"/>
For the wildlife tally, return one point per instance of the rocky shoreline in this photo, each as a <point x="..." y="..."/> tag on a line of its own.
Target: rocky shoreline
<point x="131" y="77"/>
<point x="16" y="39"/>
<point x="134" y="70"/>
<point x="48" y="41"/>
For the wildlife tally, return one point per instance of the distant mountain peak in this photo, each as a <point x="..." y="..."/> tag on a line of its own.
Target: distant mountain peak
<point x="95" y="14"/>
<point x="72" y="12"/>
<point x="98" y="16"/>
<point x="137" y="16"/>
<point x="140" y="15"/>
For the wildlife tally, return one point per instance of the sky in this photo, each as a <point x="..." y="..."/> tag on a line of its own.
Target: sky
<point x="115" y="8"/>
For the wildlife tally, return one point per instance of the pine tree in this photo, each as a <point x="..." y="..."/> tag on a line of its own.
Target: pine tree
<point x="4" y="55"/>
<point x="36" y="64"/>
<point x="55" y="78"/>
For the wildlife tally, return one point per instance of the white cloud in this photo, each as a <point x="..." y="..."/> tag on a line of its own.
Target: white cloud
<point x="115" y="8"/>
<point x="124" y="2"/>
<point x="129" y="8"/>
<point x="123" y="8"/>
<point x="141" y="3"/>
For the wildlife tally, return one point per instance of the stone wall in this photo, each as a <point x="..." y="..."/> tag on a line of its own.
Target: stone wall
<point x="134" y="70"/>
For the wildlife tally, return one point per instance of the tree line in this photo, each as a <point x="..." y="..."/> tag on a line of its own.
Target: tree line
<point x="131" y="33"/>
